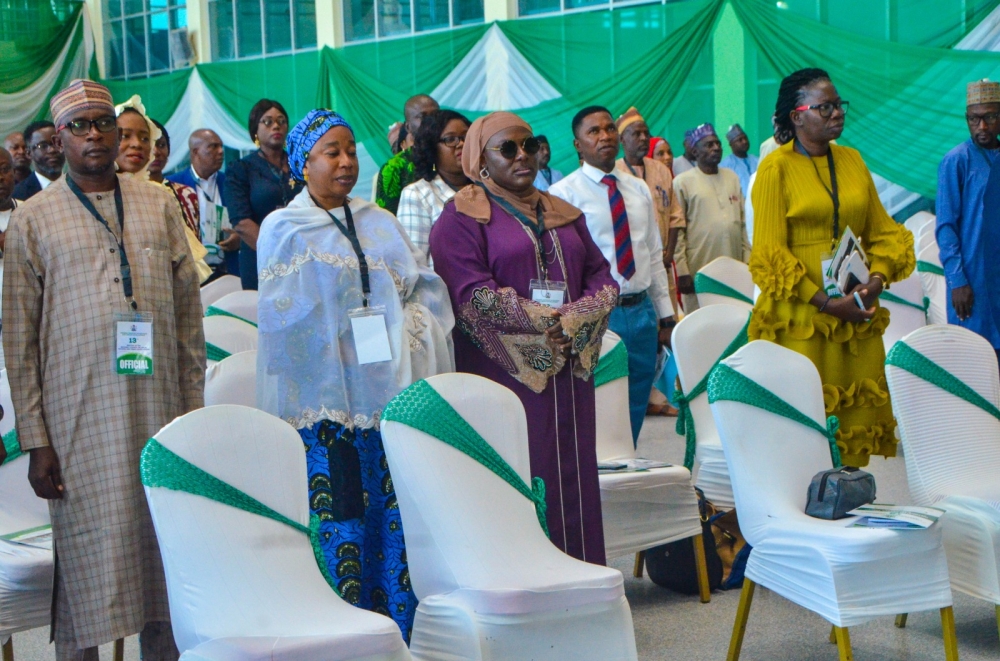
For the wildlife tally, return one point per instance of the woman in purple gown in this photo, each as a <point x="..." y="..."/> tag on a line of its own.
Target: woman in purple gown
<point x="501" y="245"/>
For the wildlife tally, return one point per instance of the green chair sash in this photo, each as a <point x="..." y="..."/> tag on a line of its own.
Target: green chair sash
<point x="162" y="468"/>
<point x="889" y="297"/>
<point x="421" y="407"/>
<point x="704" y="284"/>
<point x="726" y="384"/>
<point x="927" y="267"/>
<point x="219" y="312"/>
<point x="685" y="421"/>
<point x="215" y="353"/>
<point x="612" y="365"/>
<point x="907" y="358"/>
<point x="11" y="445"/>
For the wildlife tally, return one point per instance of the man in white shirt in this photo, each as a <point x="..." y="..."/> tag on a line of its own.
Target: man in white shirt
<point x="622" y="220"/>
<point x="45" y="156"/>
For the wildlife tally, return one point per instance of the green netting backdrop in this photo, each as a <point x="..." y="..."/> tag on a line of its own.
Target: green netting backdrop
<point x="893" y="61"/>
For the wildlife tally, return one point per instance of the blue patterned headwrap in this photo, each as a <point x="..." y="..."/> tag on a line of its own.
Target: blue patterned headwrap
<point x="307" y="133"/>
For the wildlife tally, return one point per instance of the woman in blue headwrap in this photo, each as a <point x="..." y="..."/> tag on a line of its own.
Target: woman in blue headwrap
<point x="349" y="316"/>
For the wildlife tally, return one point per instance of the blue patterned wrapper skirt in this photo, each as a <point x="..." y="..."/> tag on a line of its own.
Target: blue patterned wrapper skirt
<point x="361" y="532"/>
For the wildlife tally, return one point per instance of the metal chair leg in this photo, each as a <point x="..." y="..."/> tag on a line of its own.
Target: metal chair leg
<point x="640" y="559"/>
<point x="742" y="615"/>
<point x="833" y="634"/>
<point x="8" y="649"/>
<point x="701" y="565"/>
<point x="901" y="620"/>
<point x="844" y="643"/>
<point x="120" y="649"/>
<point x="948" y="633"/>
<point x="998" y="617"/>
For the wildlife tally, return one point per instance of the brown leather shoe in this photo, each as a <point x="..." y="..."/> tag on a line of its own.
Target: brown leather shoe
<point x="665" y="410"/>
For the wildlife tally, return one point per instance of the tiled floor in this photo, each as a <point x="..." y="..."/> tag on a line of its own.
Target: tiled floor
<point x="672" y="626"/>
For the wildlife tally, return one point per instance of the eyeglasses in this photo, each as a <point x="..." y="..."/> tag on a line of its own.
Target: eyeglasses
<point x="826" y="109"/>
<point x="43" y="146"/>
<point x="280" y="122"/>
<point x="508" y="148"/>
<point x="81" y="127"/>
<point x="453" y="140"/>
<point x="989" y="118"/>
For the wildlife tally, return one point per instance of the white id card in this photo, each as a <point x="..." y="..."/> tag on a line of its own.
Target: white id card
<point x="551" y="293"/>
<point x="371" y="337"/>
<point x="133" y="343"/>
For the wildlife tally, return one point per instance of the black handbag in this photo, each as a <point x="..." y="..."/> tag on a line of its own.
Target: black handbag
<point x="835" y="492"/>
<point x="672" y="565"/>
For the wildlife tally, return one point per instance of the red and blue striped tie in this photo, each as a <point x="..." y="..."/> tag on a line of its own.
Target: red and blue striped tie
<point x="619" y="221"/>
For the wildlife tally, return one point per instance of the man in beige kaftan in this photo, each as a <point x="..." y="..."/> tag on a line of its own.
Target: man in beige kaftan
<point x="83" y="424"/>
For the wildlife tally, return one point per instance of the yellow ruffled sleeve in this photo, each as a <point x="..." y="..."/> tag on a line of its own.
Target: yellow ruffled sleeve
<point x="778" y="273"/>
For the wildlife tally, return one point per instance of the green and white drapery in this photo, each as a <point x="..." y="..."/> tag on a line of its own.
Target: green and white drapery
<point x="546" y="68"/>
<point x="33" y="74"/>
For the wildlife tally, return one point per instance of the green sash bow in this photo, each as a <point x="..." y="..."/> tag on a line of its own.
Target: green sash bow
<point x="703" y="284"/>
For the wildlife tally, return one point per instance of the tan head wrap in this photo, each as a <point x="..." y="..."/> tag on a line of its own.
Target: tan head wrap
<point x="982" y="91"/>
<point x="78" y="96"/>
<point x="629" y="117"/>
<point x="473" y="200"/>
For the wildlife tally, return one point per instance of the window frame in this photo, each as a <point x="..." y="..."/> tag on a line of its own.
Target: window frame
<point x="292" y="26"/>
<point x="413" y="31"/>
<point x="121" y="21"/>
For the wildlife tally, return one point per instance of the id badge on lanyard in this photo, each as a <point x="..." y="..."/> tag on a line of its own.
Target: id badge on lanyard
<point x="133" y="343"/>
<point x="551" y="293"/>
<point x="371" y="336"/>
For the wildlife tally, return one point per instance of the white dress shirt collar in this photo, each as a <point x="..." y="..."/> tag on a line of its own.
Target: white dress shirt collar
<point x="596" y="174"/>
<point x="43" y="181"/>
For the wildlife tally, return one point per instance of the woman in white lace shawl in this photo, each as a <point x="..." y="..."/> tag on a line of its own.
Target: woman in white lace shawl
<point x="338" y="340"/>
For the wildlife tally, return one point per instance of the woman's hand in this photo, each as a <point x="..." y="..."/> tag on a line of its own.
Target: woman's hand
<point x="562" y="342"/>
<point x="871" y="291"/>
<point x="248" y="231"/>
<point x="846" y="309"/>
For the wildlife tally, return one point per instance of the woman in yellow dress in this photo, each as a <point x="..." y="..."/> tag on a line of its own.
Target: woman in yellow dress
<point x="806" y="194"/>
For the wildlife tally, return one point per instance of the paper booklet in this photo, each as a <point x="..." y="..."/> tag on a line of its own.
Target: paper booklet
<point x="897" y="517"/>
<point x="848" y="268"/>
<point x="40" y="537"/>
<point x="630" y="465"/>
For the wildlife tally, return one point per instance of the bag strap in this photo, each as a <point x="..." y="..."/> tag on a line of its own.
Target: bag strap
<point x="159" y="467"/>
<point x="213" y="311"/>
<point x="423" y="408"/>
<point x="907" y="358"/>
<point x="685" y="420"/>
<point x="726" y="384"/>
<point x="704" y="284"/>
<point x="612" y="366"/>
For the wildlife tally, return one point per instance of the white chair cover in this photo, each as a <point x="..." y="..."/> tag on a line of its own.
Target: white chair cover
<point x="230" y="335"/>
<point x="846" y="575"/>
<point x="25" y="571"/>
<point x="243" y="586"/>
<point x="734" y="274"/>
<point x="904" y="319"/>
<point x="953" y="451"/>
<point x="639" y="510"/>
<point x="935" y="287"/>
<point x="699" y="340"/>
<point x="926" y="238"/>
<point x="491" y="585"/>
<point x="242" y="303"/>
<point x="233" y="381"/>
<point x="918" y="222"/>
<point x="216" y="289"/>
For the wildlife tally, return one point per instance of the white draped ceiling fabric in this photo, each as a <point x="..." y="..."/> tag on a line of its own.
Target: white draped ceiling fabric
<point x="492" y="75"/>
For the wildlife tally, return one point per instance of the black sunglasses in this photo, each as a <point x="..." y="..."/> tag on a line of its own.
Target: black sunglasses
<point x="508" y="148"/>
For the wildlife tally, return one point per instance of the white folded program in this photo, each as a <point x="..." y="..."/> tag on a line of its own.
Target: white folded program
<point x="491" y="585"/>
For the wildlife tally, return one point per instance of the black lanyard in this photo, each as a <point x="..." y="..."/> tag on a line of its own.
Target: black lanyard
<point x="834" y="195"/>
<point x="352" y="235"/>
<point x="120" y="208"/>
<point x="537" y="228"/>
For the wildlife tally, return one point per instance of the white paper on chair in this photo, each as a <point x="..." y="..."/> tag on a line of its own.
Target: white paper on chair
<point x="898" y="517"/>
<point x="630" y="466"/>
<point x="40" y="537"/>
